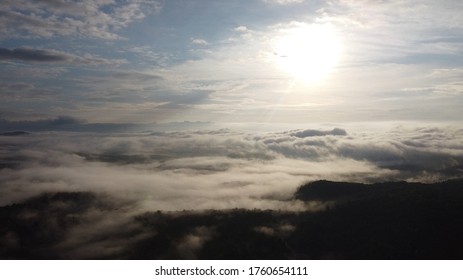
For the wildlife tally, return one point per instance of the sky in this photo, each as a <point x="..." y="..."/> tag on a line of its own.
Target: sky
<point x="136" y="62"/>
<point x="172" y="105"/>
<point x="226" y="104"/>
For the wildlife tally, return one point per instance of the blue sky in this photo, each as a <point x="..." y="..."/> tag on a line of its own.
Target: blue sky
<point x="274" y="61"/>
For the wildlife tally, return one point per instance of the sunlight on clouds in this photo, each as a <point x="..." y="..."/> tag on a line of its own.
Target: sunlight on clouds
<point x="307" y="52"/>
<point x="277" y="60"/>
<point x="284" y="2"/>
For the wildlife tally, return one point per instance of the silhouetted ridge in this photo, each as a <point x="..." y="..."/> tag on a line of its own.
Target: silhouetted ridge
<point x="328" y="190"/>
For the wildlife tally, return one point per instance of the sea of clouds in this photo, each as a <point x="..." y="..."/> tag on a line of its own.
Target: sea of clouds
<point x="134" y="173"/>
<point x="223" y="168"/>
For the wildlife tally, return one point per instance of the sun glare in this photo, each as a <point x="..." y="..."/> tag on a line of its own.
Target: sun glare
<point x="307" y="52"/>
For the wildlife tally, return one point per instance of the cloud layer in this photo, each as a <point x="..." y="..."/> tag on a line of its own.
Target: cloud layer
<point x="99" y="19"/>
<point x="220" y="169"/>
<point x="88" y="193"/>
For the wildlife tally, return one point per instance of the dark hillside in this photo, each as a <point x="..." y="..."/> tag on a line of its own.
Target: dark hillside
<point x="395" y="220"/>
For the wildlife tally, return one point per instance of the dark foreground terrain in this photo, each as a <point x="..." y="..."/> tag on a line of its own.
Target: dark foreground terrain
<point x="381" y="221"/>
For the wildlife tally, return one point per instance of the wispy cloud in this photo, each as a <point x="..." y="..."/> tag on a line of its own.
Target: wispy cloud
<point x="46" y="19"/>
<point x="27" y="54"/>
<point x="198" y="41"/>
<point x="284" y="2"/>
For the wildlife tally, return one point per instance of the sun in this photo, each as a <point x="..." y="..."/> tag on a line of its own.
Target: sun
<point x="307" y="52"/>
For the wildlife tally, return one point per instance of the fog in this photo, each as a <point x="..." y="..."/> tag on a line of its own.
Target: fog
<point x="85" y="190"/>
<point x="221" y="169"/>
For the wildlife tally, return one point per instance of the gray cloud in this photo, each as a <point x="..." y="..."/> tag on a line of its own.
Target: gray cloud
<point x="420" y="152"/>
<point x="25" y="92"/>
<point x="17" y="86"/>
<point x="64" y="123"/>
<point x="46" y="124"/>
<point x="283" y="2"/>
<point x="50" y="56"/>
<point x="27" y="54"/>
<point x="120" y="83"/>
<point x="191" y="243"/>
<point x="313" y="132"/>
<point x="100" y="19"/>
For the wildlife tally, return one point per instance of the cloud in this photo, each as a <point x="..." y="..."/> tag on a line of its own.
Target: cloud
<point x="39" y="124"/>
<point x="105" y="231"/>
<point x="64" y="123"/>
<point x="238" y="72"/>
<point x="24" y="92"/>
<point x="150" y="56"/>
<point x="64" y="120"/>
<point x="50" y="56"/>
<point x="110" y="85"/>
<point x="276" y="230"/>
<point x="189" y="246"/>
<point x="75" y="225"/>
<point x="27" y="54"/>
<point x="241" y="28"/>
<point x="218" y="169"/>
<point x="46" y="19"/>
<point x="211" y="170"/>
<point x="197" y="41"/>
<point x="27" y="92"/>
<point x="313" y="132"/>
<point x="284" y="2"/>
<point x="105" y="180"/>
